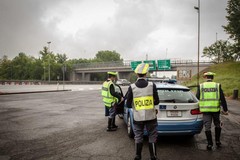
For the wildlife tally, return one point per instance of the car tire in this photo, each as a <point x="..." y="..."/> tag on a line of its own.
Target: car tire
<point x="190" y="136"/>
<point x="129" y="128"/>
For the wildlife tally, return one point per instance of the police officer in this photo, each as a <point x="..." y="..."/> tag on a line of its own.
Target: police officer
<point x="210" y="95"/>
<point x="142" y="97"/>
<point x="110" y="98"/>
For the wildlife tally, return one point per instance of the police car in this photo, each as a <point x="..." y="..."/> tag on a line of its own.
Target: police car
<point x="178" y="112"/>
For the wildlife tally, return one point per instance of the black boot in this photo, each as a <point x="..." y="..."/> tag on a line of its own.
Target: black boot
<point x="113" y="123"/>
<point x="209" y="140"/>
<point x="152" y="150"/>
<point x="110" y="128"/>
<point x="217" y="137"/>
<point x="138" y="148"/>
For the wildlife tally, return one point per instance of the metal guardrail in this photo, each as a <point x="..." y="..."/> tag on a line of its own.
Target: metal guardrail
<point x="128" y="63"/>
<point x="38" y="82"/>
<point x="101" y="64"/>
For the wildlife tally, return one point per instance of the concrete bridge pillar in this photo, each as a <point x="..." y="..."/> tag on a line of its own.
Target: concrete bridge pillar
<point x="80" y="76"/>
<point x="83" y="76"/>
<point x="87" y="76"/>
<point x="77" y="77"/>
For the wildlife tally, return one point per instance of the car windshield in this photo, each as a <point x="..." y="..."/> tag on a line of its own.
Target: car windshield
<point x="176" y="96"/>
<point x="124" y="80"/>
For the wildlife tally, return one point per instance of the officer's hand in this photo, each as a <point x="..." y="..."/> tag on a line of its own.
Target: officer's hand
<point x="225" y="112"/>
<point x="122" y="99"/>
<point x="156" y="111"/>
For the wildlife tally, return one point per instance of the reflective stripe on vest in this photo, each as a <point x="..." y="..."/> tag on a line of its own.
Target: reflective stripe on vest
<point x="143" y="104"/>
<point x="108" y="99"/>
<point x="209" y="97"/>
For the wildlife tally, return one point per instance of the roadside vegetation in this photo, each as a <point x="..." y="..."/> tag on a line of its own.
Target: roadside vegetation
<point x="225" y="53"/>
<point x="227" y="74"/>
<point x="24" y="67"/>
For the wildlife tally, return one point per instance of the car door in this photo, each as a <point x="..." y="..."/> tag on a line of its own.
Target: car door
<point x="119" y="106"/>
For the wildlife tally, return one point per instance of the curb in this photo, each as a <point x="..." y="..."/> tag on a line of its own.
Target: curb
<point x="8" y="93"/>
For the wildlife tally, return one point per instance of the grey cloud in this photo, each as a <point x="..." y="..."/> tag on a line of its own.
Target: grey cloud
<point x="21" y="29"/>
<point x="131" y="24"/>
<point x="128" y="31"/>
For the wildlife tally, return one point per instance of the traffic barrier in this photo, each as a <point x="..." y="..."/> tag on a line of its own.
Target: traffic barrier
<point x="235" y="94"/>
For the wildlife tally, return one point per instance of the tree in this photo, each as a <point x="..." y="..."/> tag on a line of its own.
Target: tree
<point x="104" y="56"/>
<point x="61" y="58"/>
<point x="107" y="56"/>
<point x="22" y="66"/>
<point x="72" y="63"/>
<point x="5" y="68"/>
<point x="220" y="51"/>
<point x="233" y="27"/>
<point x="44" y="52"/>
<point x="235" y="48"/>
<point x="37" y="70"/>
<point x="49" y="63"/>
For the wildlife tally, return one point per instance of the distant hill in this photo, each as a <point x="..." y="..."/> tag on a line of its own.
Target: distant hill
<point x="227" y="73"/>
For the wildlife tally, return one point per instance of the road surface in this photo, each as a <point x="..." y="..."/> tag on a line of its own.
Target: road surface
<point x="71" y="125"/>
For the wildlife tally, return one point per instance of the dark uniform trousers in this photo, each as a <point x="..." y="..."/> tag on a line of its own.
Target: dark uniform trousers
<point x="208" y="117"/>
<point x="150" y="127"/>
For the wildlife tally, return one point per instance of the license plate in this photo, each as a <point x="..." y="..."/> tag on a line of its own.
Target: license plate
<point x="174" y="113"/>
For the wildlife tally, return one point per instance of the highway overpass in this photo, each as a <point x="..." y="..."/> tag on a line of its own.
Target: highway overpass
<point x="185" y="69"/>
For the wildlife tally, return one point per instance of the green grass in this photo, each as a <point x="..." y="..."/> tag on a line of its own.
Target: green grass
<point x="227" y="74"/>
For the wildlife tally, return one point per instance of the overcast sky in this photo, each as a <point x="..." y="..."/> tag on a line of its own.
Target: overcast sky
<point x="134" y="28"/>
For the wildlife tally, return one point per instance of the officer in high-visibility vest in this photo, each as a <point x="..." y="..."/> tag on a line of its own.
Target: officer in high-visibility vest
<point x="142" y="97"/>
<point x="110" y="98"/>
<point x="211" y="97"/>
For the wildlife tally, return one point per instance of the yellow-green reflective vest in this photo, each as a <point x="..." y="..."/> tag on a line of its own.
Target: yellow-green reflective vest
<point x="209" y="97"/>
<point x="108" y="99"/>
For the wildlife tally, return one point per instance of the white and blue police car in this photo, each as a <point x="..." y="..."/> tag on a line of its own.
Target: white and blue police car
<point x="178" y="112"/>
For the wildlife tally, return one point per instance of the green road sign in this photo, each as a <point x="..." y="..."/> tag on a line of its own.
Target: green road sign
<point x="164" y="64"/>
<point x="152" y="65"/>
<point x="134" y="64"/>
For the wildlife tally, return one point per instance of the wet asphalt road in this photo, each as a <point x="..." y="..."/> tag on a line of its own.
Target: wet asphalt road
<point x="71" y="125"/>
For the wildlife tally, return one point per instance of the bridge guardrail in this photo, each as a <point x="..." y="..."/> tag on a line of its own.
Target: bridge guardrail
<point x="27" y="82"/>
<point x="101" y="64"/>
<point x="128" y="64"/>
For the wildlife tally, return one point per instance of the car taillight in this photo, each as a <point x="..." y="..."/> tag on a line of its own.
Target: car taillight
<point x="195" y="111"/>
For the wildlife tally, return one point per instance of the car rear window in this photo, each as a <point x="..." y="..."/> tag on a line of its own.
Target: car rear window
<point x="176" y="96"/>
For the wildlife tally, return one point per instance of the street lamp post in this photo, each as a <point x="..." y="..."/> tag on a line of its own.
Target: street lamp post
<point x="64" y="70"/>
<point x="49" y="62"/>
<point x="216" y="50"/>
<point x="198" y="9"/>
<point x="165" y="62"/>
<point x="220" y="49"/>
<point x="44" y="72"/>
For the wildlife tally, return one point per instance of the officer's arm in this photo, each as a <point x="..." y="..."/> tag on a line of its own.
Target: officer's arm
<point x="129" y="97"/>
<point x="155" y="95"/>
<point x="115" y="94"/>
<point x="198" y="92"/>
<point x="223" y="100"/>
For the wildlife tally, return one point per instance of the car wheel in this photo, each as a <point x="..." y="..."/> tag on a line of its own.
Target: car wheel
<point x="129" y="128"/>
<point x="190" y="136"/>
